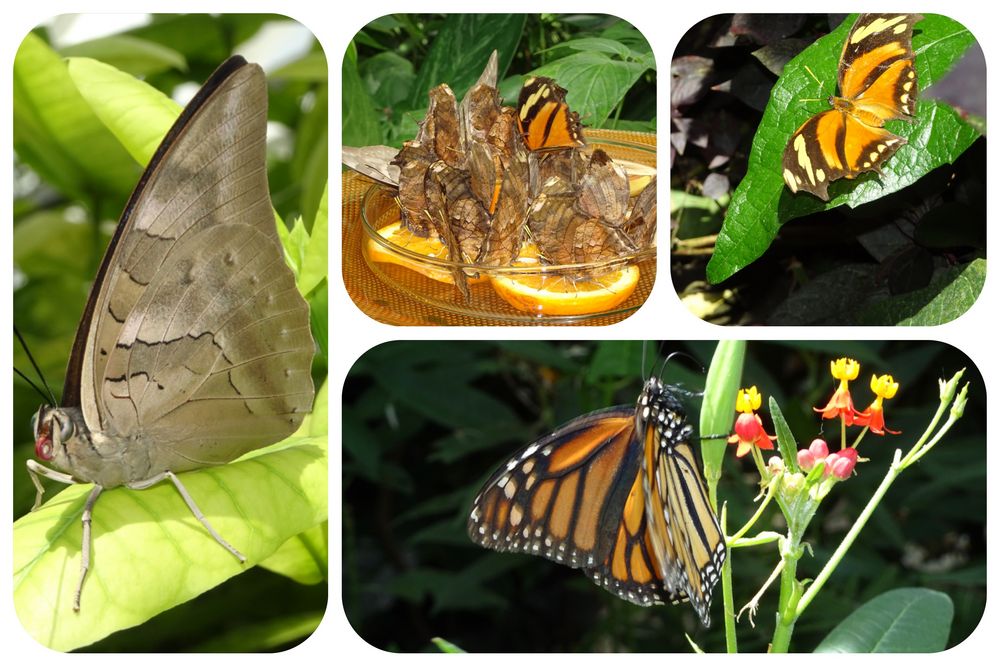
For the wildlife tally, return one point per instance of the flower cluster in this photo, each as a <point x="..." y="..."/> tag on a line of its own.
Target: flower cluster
<point x="749" y="432"/>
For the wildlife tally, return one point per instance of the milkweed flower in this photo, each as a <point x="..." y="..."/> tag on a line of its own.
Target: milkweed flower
<point x="841" y="464"/>
<point x="818" y="451"/>
<point x="884" y="387"/>
<point x="840" y="404"/>
<point x="749" y="430"/>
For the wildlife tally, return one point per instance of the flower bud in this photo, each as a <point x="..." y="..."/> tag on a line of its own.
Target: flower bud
<point x="818" y="448"/>
<point x="806" y="459"/>
<point x="843" y="466"/>
<point x="775" y="465"/>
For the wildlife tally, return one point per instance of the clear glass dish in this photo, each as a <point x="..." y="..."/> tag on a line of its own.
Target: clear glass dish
<point x="511" y="294"/>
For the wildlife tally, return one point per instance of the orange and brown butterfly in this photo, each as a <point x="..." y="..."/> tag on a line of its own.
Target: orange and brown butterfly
<point x="618" y="493"/>
<point x="877" y="83"/>
<point x="544" y="117"/>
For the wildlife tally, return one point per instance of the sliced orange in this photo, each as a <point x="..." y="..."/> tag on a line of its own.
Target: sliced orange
<point x="398" y="235"/>
<point x="556" y="294"/>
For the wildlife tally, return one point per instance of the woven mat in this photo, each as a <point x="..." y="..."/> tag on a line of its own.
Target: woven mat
<point x="388" y="297"/>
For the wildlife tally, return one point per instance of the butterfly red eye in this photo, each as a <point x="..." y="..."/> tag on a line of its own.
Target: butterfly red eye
<point x="43" y="442"/>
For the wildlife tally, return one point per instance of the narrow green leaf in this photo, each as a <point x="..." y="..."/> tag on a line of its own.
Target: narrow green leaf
<point x="719" y="403"/>
<point x="359" y="123"/>
<point x="762" y="203"/>
<point x="905" y="620"/>
<point x="446" y="646"/>
<point x="786" y="441"/>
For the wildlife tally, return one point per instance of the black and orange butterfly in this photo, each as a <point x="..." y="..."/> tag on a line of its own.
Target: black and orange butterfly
<point x="544" y="118"/>
<point x="877" y="83"/>
<point x="617" y="492"/>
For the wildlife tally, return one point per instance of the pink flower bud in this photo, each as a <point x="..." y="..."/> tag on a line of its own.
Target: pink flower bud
<point x="849" y="453"/>
<point x="843" y="467"/>
<point x="829" y="461"/>
<point x="806" y="459"/>
<point x="818" y="448"/>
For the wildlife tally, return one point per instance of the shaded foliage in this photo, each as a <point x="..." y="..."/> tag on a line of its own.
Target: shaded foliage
<point x="605" y="64"/>
<point x="424" y="423"/>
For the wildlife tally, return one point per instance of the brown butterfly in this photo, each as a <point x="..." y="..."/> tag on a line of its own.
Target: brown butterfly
<point x="877" y="83"/>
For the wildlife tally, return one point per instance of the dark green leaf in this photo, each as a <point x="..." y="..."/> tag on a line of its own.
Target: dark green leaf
<point x="947" y="298"/>
<point x="595" y="83"/>
<point x="360" y="121"/>
<point x="906" y="620"/>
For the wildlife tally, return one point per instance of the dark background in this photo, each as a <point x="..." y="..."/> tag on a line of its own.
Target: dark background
<point x="424" y="423"/>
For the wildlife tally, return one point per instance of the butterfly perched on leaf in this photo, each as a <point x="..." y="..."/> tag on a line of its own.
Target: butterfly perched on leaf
<point x="877" y="83"/>
<point x="618" y="493"/>
<point x="545" y="119"/>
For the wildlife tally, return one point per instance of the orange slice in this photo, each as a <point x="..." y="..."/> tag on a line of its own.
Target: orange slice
<point x="398" y="235"/>
<point x="555" y="294"/>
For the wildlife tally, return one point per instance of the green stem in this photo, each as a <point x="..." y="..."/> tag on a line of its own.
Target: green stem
<point x="728" y="608"/>
<point x="760" y="510"/>
<point x="852" y="535"/>
<point x="788" y="598"/>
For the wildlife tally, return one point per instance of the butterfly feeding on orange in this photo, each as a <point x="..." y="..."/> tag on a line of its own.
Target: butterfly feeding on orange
<point x="618" y="493"/>
<point x="877" y="83"/>
<point x="544" y="117"/>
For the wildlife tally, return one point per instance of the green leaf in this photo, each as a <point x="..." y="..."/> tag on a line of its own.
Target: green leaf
<point x="717" y="406"/>
<point x="461" y="50"/>
<point x="314" y="266"/>
<point x="906" y="620"/>
<point x="762" y="203"/>
<point x="138" y="57"/>
<point x="310" y="68"/>
<point x="304" y="557"/>
<point x="136" y="113"/>
<point x="263" y="637"/>
<point x="945" y="299"/>
<point x="360" y="122"/>
<point x="149" y="552"/>
<point x="786" y="441"/>
<point x="446" y="646"/>
<point x="595" y="83"/>
<point x="57" y="133"/>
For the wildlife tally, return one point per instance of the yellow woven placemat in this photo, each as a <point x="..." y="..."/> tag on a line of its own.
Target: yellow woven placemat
<point x="394" y="305"/>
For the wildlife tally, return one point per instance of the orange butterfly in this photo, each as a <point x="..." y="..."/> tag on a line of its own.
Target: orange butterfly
<point x="618" y="493"/>
<point x="544" y="117"/>
<point x="877" y="83"/>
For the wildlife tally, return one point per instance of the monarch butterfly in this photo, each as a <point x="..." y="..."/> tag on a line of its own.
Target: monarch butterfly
<point x="544" y="117"/>
<point x="618" y="493"/>
<point x="877" y="83"/>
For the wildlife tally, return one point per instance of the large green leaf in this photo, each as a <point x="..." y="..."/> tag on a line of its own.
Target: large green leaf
<point x="906" y="620"/>
<point x="149" y="552"/>
<point x="762" y="203"/>
<point x="57" y="133"/>
<point x="359" y="123"/>
<point x="138" y="57"/>
<point x="137" y="114"/>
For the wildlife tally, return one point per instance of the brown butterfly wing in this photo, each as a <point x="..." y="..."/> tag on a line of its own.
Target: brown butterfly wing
<point x="874" y="43"/>
<point x="545" y="119"/>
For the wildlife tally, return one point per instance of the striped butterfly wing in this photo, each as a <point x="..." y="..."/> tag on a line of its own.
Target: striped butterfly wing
<point x="544" y="117"/>
<point x="685" y="534"/>
<point x="877" y="83"/>
<point x="563" y="496"/>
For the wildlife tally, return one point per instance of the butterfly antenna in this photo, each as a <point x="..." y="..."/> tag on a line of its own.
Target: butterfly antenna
<point x="818" y="83"/>
<point x="50" y="397"/>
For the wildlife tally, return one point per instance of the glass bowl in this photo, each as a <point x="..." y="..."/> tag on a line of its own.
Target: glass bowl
<point x="527" y="294"/>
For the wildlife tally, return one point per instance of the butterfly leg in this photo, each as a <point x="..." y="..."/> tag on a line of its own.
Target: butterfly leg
<point x="36" y="469"/>
<point x="88" y="511"/>
<point x="189" y="501"/>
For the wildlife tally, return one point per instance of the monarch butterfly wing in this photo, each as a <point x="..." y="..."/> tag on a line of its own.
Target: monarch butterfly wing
<point x="630" y="569"/>
<point x="684" y="531"/>
<point x="877" y="45"/>
<point x="562" y="496"/>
